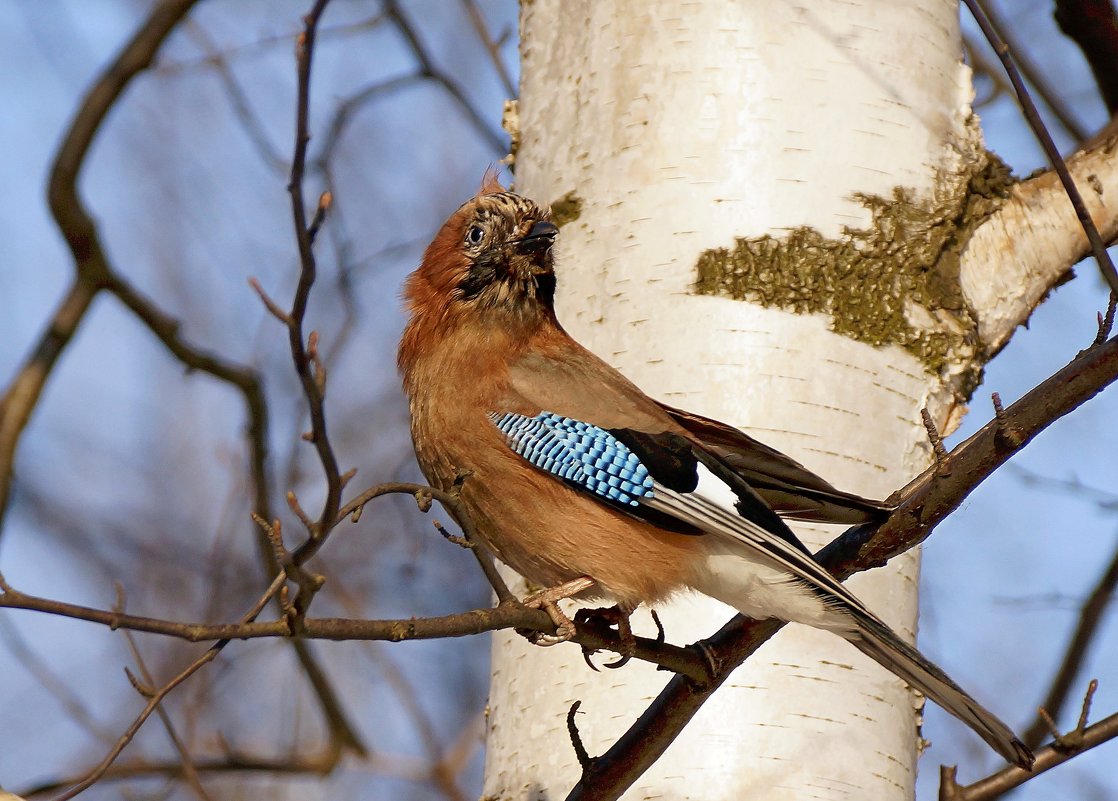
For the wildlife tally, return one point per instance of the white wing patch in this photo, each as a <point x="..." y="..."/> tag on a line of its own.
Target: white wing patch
<point x="752" y="569"/>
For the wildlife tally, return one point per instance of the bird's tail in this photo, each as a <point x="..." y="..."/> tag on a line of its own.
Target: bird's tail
<point x="881" y="644"/>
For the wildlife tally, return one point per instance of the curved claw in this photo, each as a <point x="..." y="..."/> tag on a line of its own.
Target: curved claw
<point x="586" y="654"/>
<point x="621" y="661"/>
<point x="613" y="616"/>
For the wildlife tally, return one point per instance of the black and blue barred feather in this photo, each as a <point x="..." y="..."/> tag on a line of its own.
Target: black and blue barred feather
<point x="580" y="453"/>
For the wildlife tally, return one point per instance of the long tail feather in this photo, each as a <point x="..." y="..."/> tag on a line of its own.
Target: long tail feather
<point x="881" y="644"/>
<point x="857" y="623"/>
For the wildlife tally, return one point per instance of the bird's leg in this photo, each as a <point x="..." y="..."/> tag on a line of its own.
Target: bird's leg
<point x="617" y="615"/>
<point x="546" y="600"/>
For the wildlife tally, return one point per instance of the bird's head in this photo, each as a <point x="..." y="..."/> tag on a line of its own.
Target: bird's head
<point x="506" y="240"/>
<point x="494" y="253"/>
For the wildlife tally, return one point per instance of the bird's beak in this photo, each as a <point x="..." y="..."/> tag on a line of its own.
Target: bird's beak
<point x="539" y="238"/>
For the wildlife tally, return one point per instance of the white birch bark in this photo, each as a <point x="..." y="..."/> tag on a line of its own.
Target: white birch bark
<point x="680" y="127"/>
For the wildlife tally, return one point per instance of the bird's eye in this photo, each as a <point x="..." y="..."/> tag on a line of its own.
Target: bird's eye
<point x="475" y="235"/>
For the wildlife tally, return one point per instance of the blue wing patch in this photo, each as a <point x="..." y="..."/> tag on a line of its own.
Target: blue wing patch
<point x="578" y="452"/>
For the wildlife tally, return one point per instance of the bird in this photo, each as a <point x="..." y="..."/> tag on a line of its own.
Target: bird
<point x="586" y="486"/>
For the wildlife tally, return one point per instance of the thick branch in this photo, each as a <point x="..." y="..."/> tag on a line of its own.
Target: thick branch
<point x="1017" y="256"/>
<point x="926" y="501"/>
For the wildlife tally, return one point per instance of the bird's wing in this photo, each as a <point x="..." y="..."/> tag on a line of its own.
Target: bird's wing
<point x="578" y="384"/>
<point x="786" y="486"/>
<point x="667" y="480"/>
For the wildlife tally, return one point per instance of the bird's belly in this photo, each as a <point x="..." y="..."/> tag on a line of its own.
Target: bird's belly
<point x="552" y="534"/>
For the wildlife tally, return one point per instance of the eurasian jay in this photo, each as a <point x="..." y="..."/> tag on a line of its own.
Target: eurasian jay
<point x="581" y="482"/>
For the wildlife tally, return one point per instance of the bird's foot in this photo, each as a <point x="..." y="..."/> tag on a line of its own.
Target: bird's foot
<point x="616" y="616"/>
<point x="547" y="600"/>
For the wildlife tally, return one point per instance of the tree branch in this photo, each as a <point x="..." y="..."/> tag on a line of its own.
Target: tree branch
<point x="304" y="356"/>
<point x="1046" y="758"/>
<point x="1035" y="76"/>
<point x="508" y="614"/>
<point x="1090" y="618"/>
<point x="496" y="139"/>
<point x="156" y="696"/>
<point x="91" y="267"/>
<point x="1006" y="283"/>
<point x="924" y="503"/>
<point x="1098" y="248"/>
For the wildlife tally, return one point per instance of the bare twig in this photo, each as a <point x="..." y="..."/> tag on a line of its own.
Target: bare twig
<point x="157" y="697"/>
<point x="460" y="541"/>
<point x="492" y="46"/>
<point x="269" y="304"/>
<point x="348" y="109"/>
<point x="404" y="692"/>
<point x="1105" y="499"/>
<point x="91" y="266"/>
<point x="264" y="42"/>
<point x="983" y="67"/>
<point x="93" y="273"/>
<point x="933" y="435"/>
<point x="324" y="201"/>
<point x="584" y="758"/>
<point x="1028" y="108"/>
<point x="1035" y="75"/>
<point x="1090" y="618"/>
<point x="1106" y="321"/>
<point x="245" y="379"/>
<point x="189" y="772"/>
<point x="448" y="500"/>
<point x="51" y="681"/>
<point x="238" y="98"/>
<point x="1008" y="436"/>
<point x="470" y="738"/>
<point x="310" y="377"/>
<point x="429" y="69"/>
<point x="508" y="614"/>
<point x="1046" y="758"/>
<point x="299" y="764"/>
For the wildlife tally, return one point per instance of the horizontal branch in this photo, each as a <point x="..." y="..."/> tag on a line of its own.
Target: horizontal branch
<point x="288" y="764"/>
<point x="507" y="615"/>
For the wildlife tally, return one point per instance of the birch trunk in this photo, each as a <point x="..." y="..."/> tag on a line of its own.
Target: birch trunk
<point x="764" y="210"/>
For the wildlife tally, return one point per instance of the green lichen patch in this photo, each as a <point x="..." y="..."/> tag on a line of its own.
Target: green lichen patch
<point x="566" y="209"/>
<point x="875" y="282"/>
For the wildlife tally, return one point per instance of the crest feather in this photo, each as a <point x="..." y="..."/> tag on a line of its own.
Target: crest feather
<point x="490" y="182"/>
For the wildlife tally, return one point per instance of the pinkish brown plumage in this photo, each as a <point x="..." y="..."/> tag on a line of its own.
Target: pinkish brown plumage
<point x="575" y="473"/>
